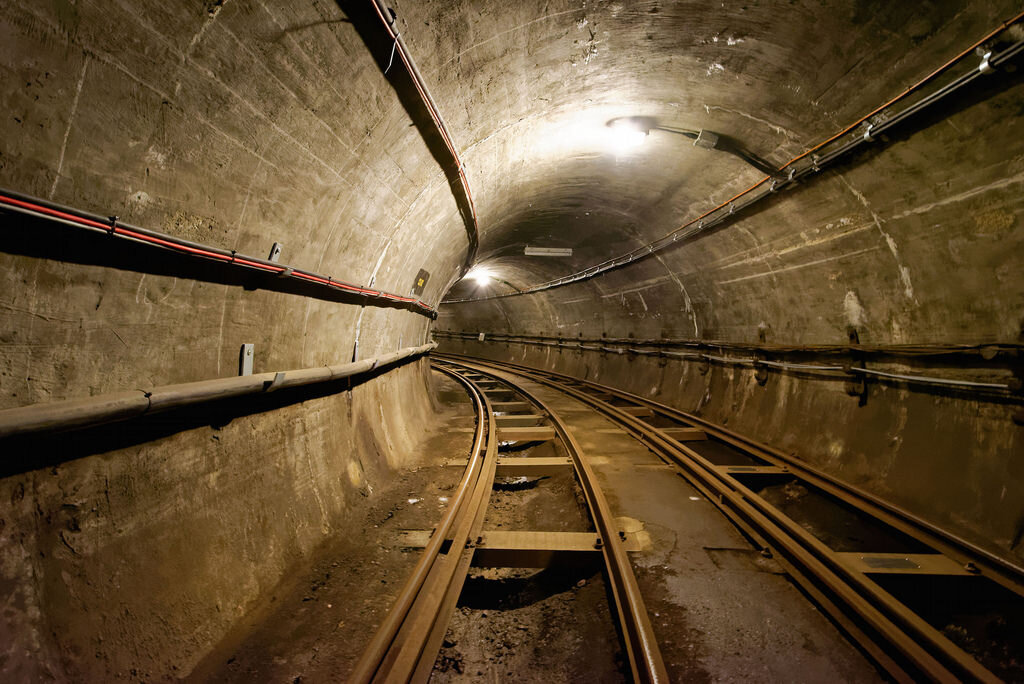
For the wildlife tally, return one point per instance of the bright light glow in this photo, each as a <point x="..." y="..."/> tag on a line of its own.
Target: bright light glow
<point x="480" y="274"/>
<point x="625" y="135"/>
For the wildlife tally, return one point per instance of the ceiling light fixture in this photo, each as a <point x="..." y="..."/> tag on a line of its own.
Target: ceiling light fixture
<point x="548" y="251"/>
<point x="626" y="133"/>
<point x="640" y="127"/>
<point x="481" y="275"/>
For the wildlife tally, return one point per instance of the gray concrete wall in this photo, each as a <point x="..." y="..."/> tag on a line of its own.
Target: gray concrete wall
<point x="133" y="562"/>
<point x="918" y="242"/>
<point x="237" y="125"/>
<point x="241" y="124"/>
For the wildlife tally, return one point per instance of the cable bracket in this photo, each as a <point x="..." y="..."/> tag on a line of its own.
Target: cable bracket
<point x="986" y="63"/>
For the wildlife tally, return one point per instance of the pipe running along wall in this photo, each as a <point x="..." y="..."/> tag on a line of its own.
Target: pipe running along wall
<point x="1008" y="387"/>
<point x="119" y="406"/>
<point x="468" y="211"/>
<point x="114" y="227"/>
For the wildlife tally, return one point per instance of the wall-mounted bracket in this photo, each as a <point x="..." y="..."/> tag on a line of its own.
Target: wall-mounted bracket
<point x="245" y="359"/>
<point x="986" y="65"/>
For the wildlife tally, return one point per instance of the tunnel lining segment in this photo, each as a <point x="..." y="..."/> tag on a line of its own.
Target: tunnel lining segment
<point x="120" y="406"/>
<point x="769" y="186"/>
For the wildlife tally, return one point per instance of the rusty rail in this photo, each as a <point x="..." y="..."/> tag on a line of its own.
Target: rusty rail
<point x="405" y="647"/>
<point x="899" y="640"/>
<point x="641" y="646"/>
<point x="384" y="639"/>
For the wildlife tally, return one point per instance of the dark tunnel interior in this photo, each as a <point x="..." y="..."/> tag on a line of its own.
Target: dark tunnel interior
<point x="244" y="243"/>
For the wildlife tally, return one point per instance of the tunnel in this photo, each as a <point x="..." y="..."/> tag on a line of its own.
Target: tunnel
<point x="727" y="297"/>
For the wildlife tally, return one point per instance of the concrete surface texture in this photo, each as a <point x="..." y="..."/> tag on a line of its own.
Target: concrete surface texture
<point x="720" y="610"/>
<point x="130" y="552"/>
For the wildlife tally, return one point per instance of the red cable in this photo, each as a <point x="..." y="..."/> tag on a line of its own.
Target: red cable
<point x="859" y="121"/>
<point x="113" y="229"/>
<point x="435" y="115"/>
<point x="54" y="212"/>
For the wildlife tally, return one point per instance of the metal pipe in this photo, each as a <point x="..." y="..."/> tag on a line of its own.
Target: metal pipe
<point x="473" y="231"/>
<point x="987" y="351"/>
<point x="119" y="406"/>
<point x="1002" y="388"/>
<point x="948" y="382"/>
<point x="112" y="226"/>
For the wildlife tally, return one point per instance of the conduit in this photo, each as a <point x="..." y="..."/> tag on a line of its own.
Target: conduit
<point x="987" y="351"/>
<point x="119" y="406"/>
<point x="1008" y="388"/>
<point x="472" y="228"/>
<point x="769" y="186"/>
<point x="113" y="227"/>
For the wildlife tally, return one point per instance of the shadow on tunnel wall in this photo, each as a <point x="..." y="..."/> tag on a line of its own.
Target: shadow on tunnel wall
<point x="44" y="239"/>
<point x="383" y="49"/>
<point x="44" y="450"/>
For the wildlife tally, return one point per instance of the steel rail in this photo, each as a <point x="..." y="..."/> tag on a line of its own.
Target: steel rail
<point x="383" y="638"/>
<point x="411" y="654"/>
<point x="926" y="651"/>
<point x="987" y="562"/>
<point x="405" y="647"/>
<point x="645" y="659"/>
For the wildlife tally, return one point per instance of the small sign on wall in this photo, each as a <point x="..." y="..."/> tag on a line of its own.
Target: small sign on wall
<point x="421" y="282"/>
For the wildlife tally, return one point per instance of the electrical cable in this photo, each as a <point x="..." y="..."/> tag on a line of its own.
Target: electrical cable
<point x="755" y="362"/>
<point x="435" y="114"/>
<point x="698" y="224"/>
<point x="43" y="209"/>
<point x="933" y="381"/>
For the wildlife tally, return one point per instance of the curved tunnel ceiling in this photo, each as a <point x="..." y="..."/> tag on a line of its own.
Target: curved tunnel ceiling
<point x="239" y="125"/>
<point x="527" y="90"/>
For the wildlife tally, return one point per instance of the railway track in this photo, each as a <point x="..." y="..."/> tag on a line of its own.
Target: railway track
<point x="921" y="602"/>
<point x="406" y="645"/>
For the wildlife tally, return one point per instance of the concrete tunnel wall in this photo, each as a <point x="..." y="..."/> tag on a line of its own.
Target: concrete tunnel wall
<point x="917" y="244"/>
<point x="916" y="241"/>
<point x="242" y="124"/>
<point x="235" y="125"/>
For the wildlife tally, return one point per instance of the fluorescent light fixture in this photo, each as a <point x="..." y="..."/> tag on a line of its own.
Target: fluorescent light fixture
<point x="548" y="251"/>
<point x="625" y="134"/>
